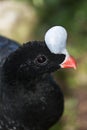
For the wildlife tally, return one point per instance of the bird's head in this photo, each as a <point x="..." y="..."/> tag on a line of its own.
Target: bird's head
<point x="36" y="57"/>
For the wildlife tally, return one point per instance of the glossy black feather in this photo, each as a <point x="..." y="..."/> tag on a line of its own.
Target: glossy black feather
<point x="7" y="46"/>
<point x="29" y="97"/>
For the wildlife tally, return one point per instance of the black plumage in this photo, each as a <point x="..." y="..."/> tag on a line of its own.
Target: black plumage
<point x="29" y="97"/>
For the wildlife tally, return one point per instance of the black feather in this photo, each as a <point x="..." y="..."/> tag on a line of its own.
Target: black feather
<point x="29" y="97"/>
<point x="6" y="47"/>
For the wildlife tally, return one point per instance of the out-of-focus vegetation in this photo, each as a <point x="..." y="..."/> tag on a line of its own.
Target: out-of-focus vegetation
<point x="72" y="15"/>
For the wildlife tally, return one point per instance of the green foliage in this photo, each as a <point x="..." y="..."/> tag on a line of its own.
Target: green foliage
<point x="69" y="13"/>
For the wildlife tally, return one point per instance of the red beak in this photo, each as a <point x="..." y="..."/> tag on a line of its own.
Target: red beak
<point x="69" y="63"/>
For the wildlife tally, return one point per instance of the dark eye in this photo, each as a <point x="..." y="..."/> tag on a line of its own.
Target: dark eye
<point x="41" y="59"/>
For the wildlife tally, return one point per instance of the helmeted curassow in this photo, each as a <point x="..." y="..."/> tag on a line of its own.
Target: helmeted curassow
<point x="29" y="97"/>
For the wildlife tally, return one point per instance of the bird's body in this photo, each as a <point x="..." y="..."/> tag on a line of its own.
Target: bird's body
<point x="6" y="47"/>
<point x="29" y="97"/>
<point x="37" y="106"/>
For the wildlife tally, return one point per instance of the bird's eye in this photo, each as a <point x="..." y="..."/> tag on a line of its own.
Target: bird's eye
<point x="41" y="59"/>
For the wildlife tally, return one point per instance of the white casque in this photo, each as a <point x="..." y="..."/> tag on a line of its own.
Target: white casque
<point x="55" y="39"/>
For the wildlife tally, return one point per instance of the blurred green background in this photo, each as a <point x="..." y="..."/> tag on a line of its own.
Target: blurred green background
<point x="24" y="20"/>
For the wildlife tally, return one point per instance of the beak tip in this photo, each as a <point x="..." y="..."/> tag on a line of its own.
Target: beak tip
<point x="70" y="62"/>
<point x="75" y="67"/>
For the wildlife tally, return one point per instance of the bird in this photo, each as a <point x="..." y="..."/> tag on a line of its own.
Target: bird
<point x="30" y="99"/>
